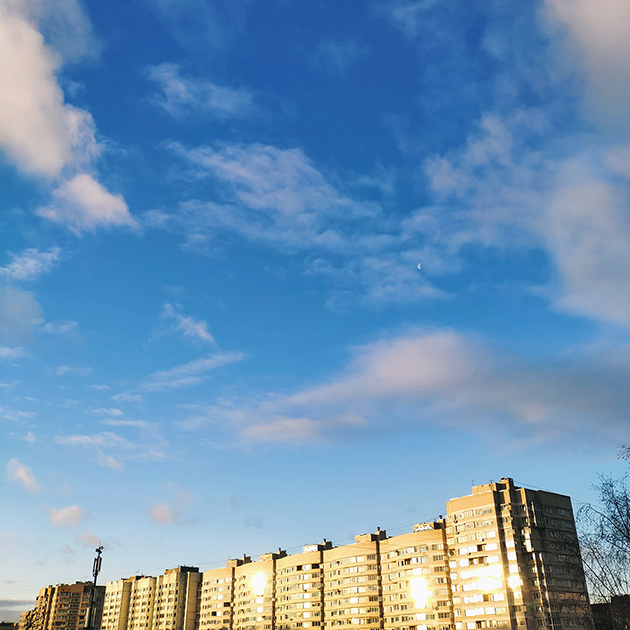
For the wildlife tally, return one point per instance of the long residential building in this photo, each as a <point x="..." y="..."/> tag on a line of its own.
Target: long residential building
<point x="502" y="557"/>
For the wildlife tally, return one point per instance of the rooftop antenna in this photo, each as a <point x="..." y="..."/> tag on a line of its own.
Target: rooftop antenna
<point x="96" y="569"/>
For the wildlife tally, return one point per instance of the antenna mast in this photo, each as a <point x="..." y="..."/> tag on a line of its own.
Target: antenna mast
<point x="96" y="569"/>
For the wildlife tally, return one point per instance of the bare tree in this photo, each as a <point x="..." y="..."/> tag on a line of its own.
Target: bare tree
<point x="605" y="546"/>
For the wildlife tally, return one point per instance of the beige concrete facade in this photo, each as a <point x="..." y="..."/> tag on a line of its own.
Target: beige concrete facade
<point x="216" y="595"/>
<point x="416" y="589"/>
<point x="503" y="557"/>
<point x="300" y="588"/>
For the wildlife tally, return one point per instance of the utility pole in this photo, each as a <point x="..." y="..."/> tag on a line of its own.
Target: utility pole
<point x="96" y="568"/>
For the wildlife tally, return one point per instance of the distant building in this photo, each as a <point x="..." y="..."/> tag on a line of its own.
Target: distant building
<point x="168" y="602"/>
<point x="63" y="607"/>
<point x="502" y="557"/>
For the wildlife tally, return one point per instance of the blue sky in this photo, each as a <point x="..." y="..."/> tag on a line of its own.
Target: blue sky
<point x="274" y="271"/>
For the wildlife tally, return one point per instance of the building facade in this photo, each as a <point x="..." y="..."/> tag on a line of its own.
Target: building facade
<point x="502" y="557"/>
<point x="64" y="607"/>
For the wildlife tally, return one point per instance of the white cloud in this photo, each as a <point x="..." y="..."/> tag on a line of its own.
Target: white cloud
<point x="190" y="373"/>
<point x="83" y="205"/>
<point x="30" y="438"/>
<point x="37" y="129"/>
<point x="19" y="472"/>
<point x="20" y="313"/>
<point x="189" y="327"/>
<point x="41" y="134"/>
<point x="164" y="514"/>
<point x="501" y="194"/>
<point x="587" y="231"/>
<point x="600" y="33"/>
<point x="182" y="95"/>
<point x="66" y="518"/>
<point x="11" y="353"/>
<point x="30" y="264"/>
<point x="67" y="28"/>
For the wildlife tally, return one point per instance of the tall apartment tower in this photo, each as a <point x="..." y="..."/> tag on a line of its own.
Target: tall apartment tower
<point x="514" y="560"/>
<point x="64" y="607"/>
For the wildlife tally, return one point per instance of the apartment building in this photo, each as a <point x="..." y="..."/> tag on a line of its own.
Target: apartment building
<point x="502" y="557"/>
<point x="64" y="607"/>
<point x="515" y="559"/>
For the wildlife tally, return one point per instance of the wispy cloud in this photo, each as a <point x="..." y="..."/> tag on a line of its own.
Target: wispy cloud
<point x="60" y="328"/>
<point x="30" y="264"/>
<point x="108" y="411"/>
<point x="66" y="518"/>
<point x="12" y="353"/>
<point x="23" y="474"/>
<point x="445" y="378"/>
<point x="165" y="513"/>
<point x="20" y="314"/>
<point x="88" y="539"/>
<point x="127" y="397"/>
<point x="190" y="373"/>
<point x="112" y="449"/>
<point x="63" y="370"/>
<point x="338" y="57"/>
<point x="180" y="95"/>
<point x="188" y="326"/>
<point x="139" y="424"/>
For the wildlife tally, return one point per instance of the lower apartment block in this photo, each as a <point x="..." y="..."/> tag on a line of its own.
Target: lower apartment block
<point x="502" y="557"/>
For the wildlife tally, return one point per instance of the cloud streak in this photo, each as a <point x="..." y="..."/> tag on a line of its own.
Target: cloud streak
<point x="188" y="326"/>
<point x="189" y="374"/>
